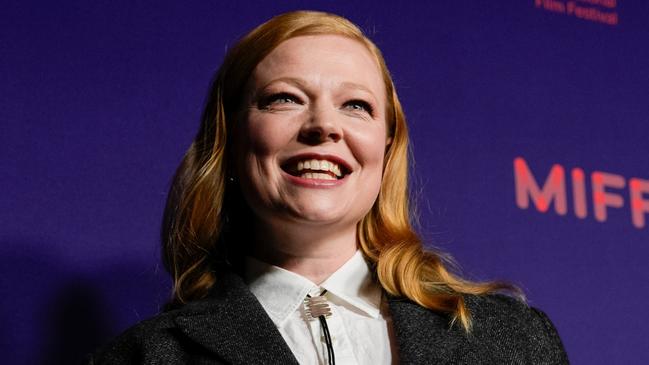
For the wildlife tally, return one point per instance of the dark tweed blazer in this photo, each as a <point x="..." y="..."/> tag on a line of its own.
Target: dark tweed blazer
<point x="231" y="327"/>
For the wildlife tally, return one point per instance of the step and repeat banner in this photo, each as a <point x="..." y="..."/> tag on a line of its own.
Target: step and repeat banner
<point x="529" y="122"/>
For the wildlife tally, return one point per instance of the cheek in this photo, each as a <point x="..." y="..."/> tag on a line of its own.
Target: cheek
<point x="370" y="146"/>
<point x="259" y="141"/>
<point x="259" y="138"/>
<point x="255" y="147"/>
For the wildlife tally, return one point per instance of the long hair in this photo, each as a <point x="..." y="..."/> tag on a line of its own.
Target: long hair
<point x="203" y="209"/>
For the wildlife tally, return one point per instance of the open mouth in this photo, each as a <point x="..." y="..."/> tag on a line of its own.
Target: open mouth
<point x="315" y="168"/>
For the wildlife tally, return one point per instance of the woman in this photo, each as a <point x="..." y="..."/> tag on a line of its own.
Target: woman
<point x="287" y="229"/>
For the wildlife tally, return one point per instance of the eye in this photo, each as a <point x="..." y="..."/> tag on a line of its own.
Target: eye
<point x="359" y="105"/>
<point x="279" y="99"/>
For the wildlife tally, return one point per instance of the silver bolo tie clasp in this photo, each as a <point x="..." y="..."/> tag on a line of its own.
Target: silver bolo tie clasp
<point x="316" y="307"/>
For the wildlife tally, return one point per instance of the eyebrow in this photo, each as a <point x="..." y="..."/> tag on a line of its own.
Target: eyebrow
<point x="289" y="80"/>
<point x="303" y="84"/>
<point x="353" y="85"/>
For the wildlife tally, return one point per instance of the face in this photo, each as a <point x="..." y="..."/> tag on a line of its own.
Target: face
<point x="311" y="142"/>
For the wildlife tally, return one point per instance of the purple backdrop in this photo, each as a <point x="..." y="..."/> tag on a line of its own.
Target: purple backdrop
<point x="101" y="99"/>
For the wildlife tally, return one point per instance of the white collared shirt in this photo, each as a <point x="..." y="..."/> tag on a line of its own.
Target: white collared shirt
<point x="358" y="325"/>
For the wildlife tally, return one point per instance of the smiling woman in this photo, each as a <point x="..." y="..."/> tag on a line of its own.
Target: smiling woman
<point x="308" y="117"/>
<point x="287" y="229"/>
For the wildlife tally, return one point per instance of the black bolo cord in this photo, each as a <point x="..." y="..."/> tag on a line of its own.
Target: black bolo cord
<point x="327" y="335"/>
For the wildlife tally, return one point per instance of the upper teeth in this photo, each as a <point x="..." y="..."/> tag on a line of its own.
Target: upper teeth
<point x="322" y="165"/>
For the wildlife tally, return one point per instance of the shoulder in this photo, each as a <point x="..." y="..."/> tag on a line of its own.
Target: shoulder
<point x="508" y="325"/>
<point x="504" y="331"/>
<point x="129" y="347"/>
<point x="155" y="340"/>
<point x="206" y="330"/>
<point x="491" y="312"/>
<point x="498" y="309"/>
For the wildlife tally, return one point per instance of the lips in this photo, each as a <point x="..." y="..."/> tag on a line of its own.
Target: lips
<point x="316" y="166"/>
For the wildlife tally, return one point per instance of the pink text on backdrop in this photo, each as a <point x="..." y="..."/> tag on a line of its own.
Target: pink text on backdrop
<point x="554" y="192"/>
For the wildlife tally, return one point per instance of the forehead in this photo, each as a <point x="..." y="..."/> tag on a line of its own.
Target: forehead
<point x="322" y="59"/>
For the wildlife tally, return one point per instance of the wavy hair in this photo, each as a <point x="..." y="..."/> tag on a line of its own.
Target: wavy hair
<point x="203" y="210"/>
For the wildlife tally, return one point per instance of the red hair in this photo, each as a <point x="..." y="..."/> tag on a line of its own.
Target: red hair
<point x="203" y="211"/>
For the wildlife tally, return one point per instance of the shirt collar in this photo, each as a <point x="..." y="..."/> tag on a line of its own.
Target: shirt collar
<point x="350" y="285"/>
<point x="353" y="284"/>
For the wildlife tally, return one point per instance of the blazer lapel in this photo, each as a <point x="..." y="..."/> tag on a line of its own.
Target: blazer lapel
<point x="232" y="324"/>
<point x="423" y="336"/>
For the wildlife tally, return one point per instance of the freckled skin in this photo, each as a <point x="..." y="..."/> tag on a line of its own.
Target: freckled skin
<point x="312" y="94"/>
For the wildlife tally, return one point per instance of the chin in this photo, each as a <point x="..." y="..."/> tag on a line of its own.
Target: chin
<point x="324" y="215"/>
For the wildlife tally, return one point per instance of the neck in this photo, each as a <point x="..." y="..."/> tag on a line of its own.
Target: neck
<point x="314" y="252"/>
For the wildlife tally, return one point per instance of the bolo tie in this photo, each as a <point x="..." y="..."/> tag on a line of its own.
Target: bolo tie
<point x="317" y="307"/>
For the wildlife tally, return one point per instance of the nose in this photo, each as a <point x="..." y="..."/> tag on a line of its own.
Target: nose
<point x="321" y="126"/>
